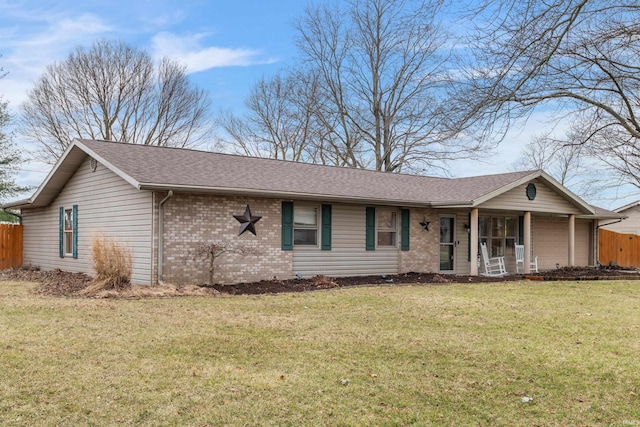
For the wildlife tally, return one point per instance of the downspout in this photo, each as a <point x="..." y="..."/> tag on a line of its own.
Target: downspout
<point x="160" y="234"/>
<point x="14" y="214"/>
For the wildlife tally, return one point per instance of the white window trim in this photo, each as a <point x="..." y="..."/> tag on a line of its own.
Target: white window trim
<point x="68" y="248"/>
<point x="488" y="238"/>
<point x="306" y="227"/>
<point x="385" y="230"/>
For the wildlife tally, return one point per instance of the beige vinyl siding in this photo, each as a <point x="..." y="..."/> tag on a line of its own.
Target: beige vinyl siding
<point x="107" y="205"/>
<point x="552" y="242"/>
<point x="347" y="256"/>
<point x="631" y="225"/>
<point x="583" y="242"/>
<point x="547" y="200"/>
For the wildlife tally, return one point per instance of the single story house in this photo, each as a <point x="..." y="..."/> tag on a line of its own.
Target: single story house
<point x="163" y="203"/>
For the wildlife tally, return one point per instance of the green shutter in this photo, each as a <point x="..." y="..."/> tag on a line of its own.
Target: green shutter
<point x="371" y="229"/>
<point x="61" y="243"/>
<point x="326" y="228"/>
<point x="469" y="237"/>
<point x="404" y="244"/>
<point x="521" y="230"/>
<point x="75" y="231"/>
<point x="287" y="226"/>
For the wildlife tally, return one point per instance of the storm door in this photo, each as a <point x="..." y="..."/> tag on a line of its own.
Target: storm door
<point x="447" y="244"/>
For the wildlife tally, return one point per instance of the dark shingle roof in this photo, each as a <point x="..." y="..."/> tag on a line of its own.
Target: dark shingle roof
<point x="160" y="168"/>
<point x="154" y="167"/>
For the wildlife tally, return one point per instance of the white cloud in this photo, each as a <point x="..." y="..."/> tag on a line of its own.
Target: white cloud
<point x="189" y="50"/>
<point x="40" y="42"/>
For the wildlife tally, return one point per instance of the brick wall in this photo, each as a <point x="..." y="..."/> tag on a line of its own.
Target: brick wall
<point x="423" y="255"/>
<point x="192" y="219"/>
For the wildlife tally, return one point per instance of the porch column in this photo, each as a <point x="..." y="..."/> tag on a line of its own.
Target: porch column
<point x="473" y="241"/>
<point x="526" y="223"/>
<point x="572" y="240"/>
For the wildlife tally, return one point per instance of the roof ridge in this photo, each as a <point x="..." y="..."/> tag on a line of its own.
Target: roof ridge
<point x="523" y="173"/>
<point x="265" y="159"/>
<point x="235" y="155"/>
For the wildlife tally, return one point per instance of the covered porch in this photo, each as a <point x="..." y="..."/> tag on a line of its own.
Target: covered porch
<point x="536" y="212"/>
<point x="555" y="240"/>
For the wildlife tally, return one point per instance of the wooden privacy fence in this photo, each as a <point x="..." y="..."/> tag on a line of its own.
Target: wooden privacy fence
<point x="10" y="246"/>
<point x="623" y="249"/>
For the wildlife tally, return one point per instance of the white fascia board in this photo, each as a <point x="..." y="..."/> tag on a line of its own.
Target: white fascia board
<point x="108" y="165"/>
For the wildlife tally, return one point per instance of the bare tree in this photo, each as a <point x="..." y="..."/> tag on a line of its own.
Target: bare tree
<point x="559" y="158"/>
<point x="373" y="89"/>
<point x="567" y="161"/>
<point x="10" y="157"/>
<point x="383" y="67"/>
<point x="279" y="122"/>
<point x="576" y="56"/>
<point x="211" y="251"/>
<point x="115" y="92"/>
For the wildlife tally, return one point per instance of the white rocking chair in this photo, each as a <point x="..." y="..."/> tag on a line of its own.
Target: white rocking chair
<point x="520" y="260"/>
<point x="492" y="266"/>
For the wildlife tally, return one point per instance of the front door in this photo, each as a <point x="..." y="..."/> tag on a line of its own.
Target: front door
<point x="447" y="244"/>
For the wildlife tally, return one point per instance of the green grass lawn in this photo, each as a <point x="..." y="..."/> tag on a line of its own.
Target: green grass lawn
<point x="408" y="355"/>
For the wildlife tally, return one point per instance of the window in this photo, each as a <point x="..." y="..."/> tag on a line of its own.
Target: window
<point x="499" y="233"/>
<point x="511" y="231"/>
<point x="305" y="225"/>
<point x="387" y="222"/>
<point x="497" y="237"/>
<point x="68" y="232"/>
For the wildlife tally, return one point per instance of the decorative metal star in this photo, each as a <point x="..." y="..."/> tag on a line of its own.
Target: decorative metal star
<point x="247" y="221"/>
<point x="425" y="224"/>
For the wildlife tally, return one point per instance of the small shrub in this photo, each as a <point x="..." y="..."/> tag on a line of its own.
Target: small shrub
<point x="211" y="251"/>
<point x="321" y="281"/>
<point x="112" y="262"/>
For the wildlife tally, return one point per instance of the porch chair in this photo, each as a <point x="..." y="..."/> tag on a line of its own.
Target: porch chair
<point x="492" y="266"/>
<point x="520" y="260"/>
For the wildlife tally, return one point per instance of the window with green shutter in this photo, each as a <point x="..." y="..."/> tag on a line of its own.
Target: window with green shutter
<point x="68" y="239"/>
<point x="287" y="226"/>
<point x="404" y="236"/>
<point x="370" y="244"/>
<point x="326" y="228"/>
<point x="387" y="227"/>
<point x="74" y="239"/>
<point x="305" y="225"/>
<point x="61" y="232"/>
<point x="468" y="227"/>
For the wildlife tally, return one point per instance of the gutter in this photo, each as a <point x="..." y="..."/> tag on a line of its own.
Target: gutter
<point x="287" y="195"/>
<point x="160" y="233"/>
<point x="609" y="223"/>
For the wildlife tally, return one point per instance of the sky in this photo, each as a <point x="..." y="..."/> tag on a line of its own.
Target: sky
<point x="226" y="45"/>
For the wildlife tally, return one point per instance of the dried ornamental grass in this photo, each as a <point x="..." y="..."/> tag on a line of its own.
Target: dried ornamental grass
<point x="112" y="262"/>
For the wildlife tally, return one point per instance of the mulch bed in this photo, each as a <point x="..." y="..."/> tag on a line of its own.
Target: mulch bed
<point x="53" y="282"/>
<point x="62" y="283"/>
<point x="583" y="273"/>
<point x="322" y="282"/>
